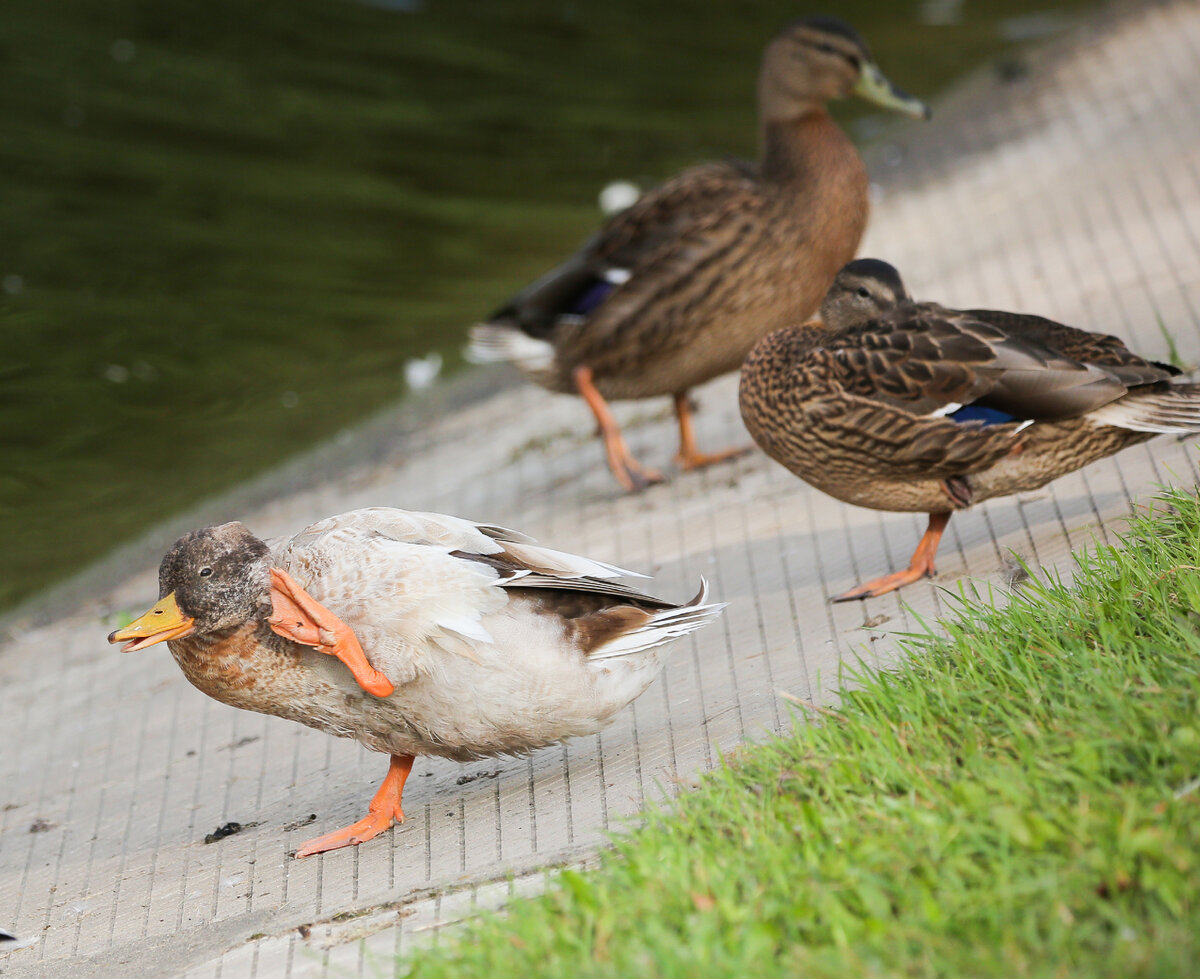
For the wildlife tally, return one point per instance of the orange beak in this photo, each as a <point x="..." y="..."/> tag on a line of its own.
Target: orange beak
<point x="164" y="621"/>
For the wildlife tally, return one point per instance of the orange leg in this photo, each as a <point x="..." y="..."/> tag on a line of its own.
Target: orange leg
<point x="296" y="615"/>
<point x="627" y="470"/>
<point x="689" y="457"/>
<point x="920" y="565"/>
<point x="381" y="813"/>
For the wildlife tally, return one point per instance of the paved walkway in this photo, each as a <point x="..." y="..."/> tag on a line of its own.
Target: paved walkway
<point x="1073" y="190"/>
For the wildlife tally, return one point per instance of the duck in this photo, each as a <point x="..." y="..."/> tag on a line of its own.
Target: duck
<point x="675" y="289"/>
<point x="909" y="406"/>
<point x="413" y="633"/>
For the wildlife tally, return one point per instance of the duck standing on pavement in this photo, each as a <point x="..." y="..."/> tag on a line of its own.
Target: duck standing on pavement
<point x="675" y="290"/>
<point x="414" y="633"/>
<point x="909" y="406"/>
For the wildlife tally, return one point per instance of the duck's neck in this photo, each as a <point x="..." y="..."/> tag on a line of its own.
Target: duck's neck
<point x="790" y="345"/>
<point x="807" y="151"/>
<point x="228" y="665"/>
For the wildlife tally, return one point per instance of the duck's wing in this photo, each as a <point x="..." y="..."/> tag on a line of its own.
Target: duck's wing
<point x="928" y="359"/>
<point x="516" y="553"/>
<point x="925" y="391"/>
<point x="412" y="584"/>
<point x="663" y="238"/>
<point x="1098" y="349"/>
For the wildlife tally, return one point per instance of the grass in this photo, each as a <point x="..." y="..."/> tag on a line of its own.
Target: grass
<point x="1019" y="799"/>
<point x="1174" y="358"/>
<point x="227" y="225"/>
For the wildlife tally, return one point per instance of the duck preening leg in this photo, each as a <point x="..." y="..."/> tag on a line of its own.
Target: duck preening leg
<point x="689" y="457"/>
<point x="381" y="813"/>
<point x="627" y="470"/>
<point x="296" y="615"/>
<point x="920" y="565"/>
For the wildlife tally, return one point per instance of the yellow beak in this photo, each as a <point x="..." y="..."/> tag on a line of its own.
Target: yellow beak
<point x="874" y="87"/>
<point x="164" y="621"/>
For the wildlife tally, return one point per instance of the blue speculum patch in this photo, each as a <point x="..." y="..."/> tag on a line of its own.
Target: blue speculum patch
<point x="978" y="413"/>
<point x="591" y="297"/>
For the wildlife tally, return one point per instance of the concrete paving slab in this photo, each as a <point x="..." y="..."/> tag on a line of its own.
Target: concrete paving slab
<point x="1072" y="190"/>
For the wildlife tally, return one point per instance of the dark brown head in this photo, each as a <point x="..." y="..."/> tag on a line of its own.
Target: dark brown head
<point x="863" y="290"/>
<point x="820" y="58"/>
<point x="210" y="579"/>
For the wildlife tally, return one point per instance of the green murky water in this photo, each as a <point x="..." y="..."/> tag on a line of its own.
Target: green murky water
<point x="226" y="226"/>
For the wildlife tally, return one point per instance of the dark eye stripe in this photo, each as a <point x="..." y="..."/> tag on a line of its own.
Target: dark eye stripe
<point x="830" y="49"/>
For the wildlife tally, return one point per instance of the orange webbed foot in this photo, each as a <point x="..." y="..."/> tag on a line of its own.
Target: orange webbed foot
<point x="920" y="565"/>
<point x="633" y="476"/>
<point x="296" y="615"/>
<point x="383" y="811"/>
<point x="881" y="586"/>
<point x="365" y="829"/>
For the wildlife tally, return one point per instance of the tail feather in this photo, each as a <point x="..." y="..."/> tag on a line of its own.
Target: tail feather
<point x="663" y="627"/>
<point x="494" y="343"/>
<point x="1170" y="410"/>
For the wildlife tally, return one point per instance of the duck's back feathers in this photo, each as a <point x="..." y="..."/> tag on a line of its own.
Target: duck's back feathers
<point x="413" y="527"/>
<point x="663" y="229"/>
<point x="409" y="582"/>
<point x="931" y="360"/>
<point x="1099" y="349"/>
<point x="457" y="534"/>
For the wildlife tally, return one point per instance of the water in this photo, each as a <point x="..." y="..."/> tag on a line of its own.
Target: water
<point x="228" y="226"/>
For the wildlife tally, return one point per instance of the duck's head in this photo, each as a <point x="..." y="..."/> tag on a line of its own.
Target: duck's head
<point x="820" y="58"/>
<point x="864" y="289"/>
<point x="210" y="579"/>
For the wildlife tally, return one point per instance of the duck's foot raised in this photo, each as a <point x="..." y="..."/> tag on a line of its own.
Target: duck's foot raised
<point x="627" y="471"/>
<point x="296" y="615"/>
<point x="920" y="565"/>
<point x="381" y="813"/>
<point x="689" y="457"/>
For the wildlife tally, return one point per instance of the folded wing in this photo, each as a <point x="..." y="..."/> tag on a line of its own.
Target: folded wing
<point x="412" y="585"/>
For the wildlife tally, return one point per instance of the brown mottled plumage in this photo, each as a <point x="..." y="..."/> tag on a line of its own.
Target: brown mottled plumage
<point x="484" y="643"/>
<point x="676" y="289"/>
<point x="899" y="405"/>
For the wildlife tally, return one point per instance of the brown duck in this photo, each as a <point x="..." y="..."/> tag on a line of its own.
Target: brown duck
<point x="899" y="405"/>
<point x="676" y="289"/>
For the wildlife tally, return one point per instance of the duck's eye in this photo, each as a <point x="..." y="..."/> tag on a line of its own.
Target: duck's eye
<point x="205" y="572"/>
<point x="861" y="290"/>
